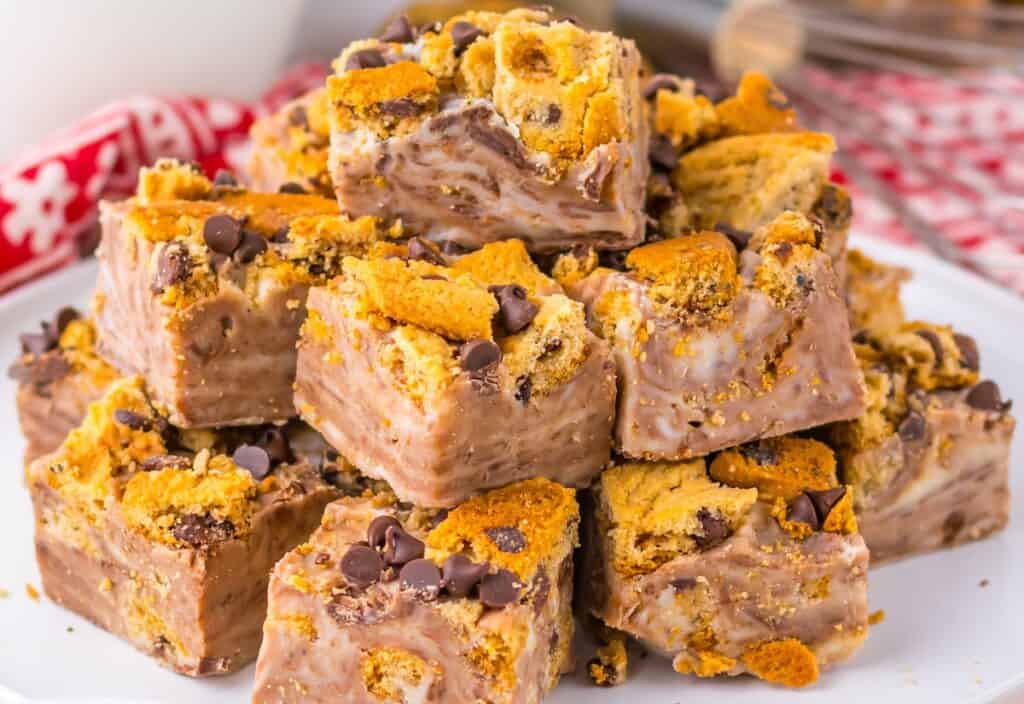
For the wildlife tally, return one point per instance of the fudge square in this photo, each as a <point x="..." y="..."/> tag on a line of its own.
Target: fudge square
<point x="714" y="350"/>
<point x="202" y="290"/>
<point x="737" y="164"/>
<point x="58" y="375"/>
<point x="388" y="603"/>
<point x="757" y="569"/>
<point x="289" y="147"/>
<point x="494" y="126"/>
<point x="448" y="380"/>
<point x="929" y="460"/>
<point x="166" y="538"/>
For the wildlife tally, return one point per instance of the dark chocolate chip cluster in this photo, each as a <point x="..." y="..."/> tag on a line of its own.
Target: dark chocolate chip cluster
<point x="813" y="507"/>
<point x="389" y="552"/>
<point x="42" y="369"/>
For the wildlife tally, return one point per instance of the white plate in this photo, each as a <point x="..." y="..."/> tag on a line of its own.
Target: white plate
<point x="945" y="638"/>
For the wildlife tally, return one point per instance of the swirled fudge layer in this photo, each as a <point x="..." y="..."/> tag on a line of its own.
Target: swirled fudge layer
<point x="202" y="288"/>
<point x="166" y="537"/>
<point x="714" y="350"/>
<point x="449" y="380"/>
<point x="766" y="577"/>
<point x="58" y="375"/>
<point x="929" y="460"/>
<point x="388" y="603"/>
<point x="494" y="126"/>
<point x="290" y="147"/>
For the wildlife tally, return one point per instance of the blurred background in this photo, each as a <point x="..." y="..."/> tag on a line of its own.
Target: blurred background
<point x="926" y="97"/>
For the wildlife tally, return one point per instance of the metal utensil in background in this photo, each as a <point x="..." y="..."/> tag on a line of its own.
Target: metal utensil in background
<point x="963" y="43"/>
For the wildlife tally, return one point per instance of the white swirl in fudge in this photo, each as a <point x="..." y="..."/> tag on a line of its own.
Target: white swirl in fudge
<point x="930" y="457"/>
<point x="416" y="605"/>
<point x="130" y="505"/>
<point x="716" y="348"/>
<point x="494" y="126"/>
<point x="756" y="569"/>
<point x="477" y="365"/>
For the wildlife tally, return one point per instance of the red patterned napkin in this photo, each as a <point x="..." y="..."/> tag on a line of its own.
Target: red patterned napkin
<point x="953" y="154"/>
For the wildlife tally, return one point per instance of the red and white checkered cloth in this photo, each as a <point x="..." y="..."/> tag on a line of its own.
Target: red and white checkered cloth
<point x="954" y="155"/>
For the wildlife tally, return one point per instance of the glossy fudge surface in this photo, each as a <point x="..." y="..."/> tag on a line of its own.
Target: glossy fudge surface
<point x="715" y="348"/>
<point x="166" y="537"/>
<point x="202" y="289"/>
<point x="493" y="126"/>
<point x="750" y="566"/>
<point x="388" y="603"/>
<point x="449" y="375"/>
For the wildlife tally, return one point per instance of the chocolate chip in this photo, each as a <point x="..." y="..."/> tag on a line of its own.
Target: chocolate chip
<point x="498" y="140"/>
<point x="761" y="453"/>
<point x="969" y="355"/>
<point x="662" y="152"/>
<point x="739" y="238"/>
<point x="524" y="389"/>
<point x="460" y="575"/>
<point x="421" y="576"/>
<point x="173" y="266"/>
<point x="421" y="250"/>
<point x="292" y="188"/>
<point x="36" y="343"/>
<point x="321" y="558"/>
<point x="361" y="566"/>
<point x="715" y="529"/>
<point x="499" y="589"/>
<point x="201" y="530"/>
<point x="515" y="310"/>
<point x="554" y="114"/>
<point x="801" y="510"/>
<point x="985" y="396"/>
<point x="168" y="433"/>
<point x="401" y="107"/>
<point x="131" y="419"/>
<point x="223" y="177"/>
<point x="507" y="538"/>
<point x="683" y="584"/>
<point x="222" y="233"/>
<point x="377" y="531"/>
<point x="365" y="58"/>
<point x="400" y="547"/>
<point x="158" y="462"/>
<point x="613" y="260"/>
<point x="478" y="356"/>
<point x="824" y="500"/>
<point x="251" y="246"/>
<point x="299" y="117"/>
<point x="932" y="338"/>
<point x="464" y="34"/>
<point x="253" y="458"/>
<point x="661" y="81"/>
<point x="275" y="442"/>
<point x="64" y="317"/>
<point x="399" y="31"/>
<point x="952" y="526"/>
<point x="912" y="427"/>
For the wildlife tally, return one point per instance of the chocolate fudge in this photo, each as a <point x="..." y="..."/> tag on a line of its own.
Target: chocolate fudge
<point x="735" y="165"/>
<point x="445" y="376"/>
<point x="388" y="603"/>
<point x="873" y="294"/>
<point x="715" y="349"/>
<point x="289" y="148"/>
<point x="202" y="289"/>
<point x="58" y="375"/>
<point x="929" y="460"/>
<point x="494" y="126"/>
<point x="166" y="537"/>
<point x="757" y="568"/>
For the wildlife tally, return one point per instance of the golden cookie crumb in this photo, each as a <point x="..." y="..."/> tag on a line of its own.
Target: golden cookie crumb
<point x="757" y="107"/>
<point x="787" y="662"/>
<point x="783" y="466"/>
<point x="170" y="179"/>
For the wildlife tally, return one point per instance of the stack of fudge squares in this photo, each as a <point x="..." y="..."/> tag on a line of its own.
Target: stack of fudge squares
<point x="493" y="294"/>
